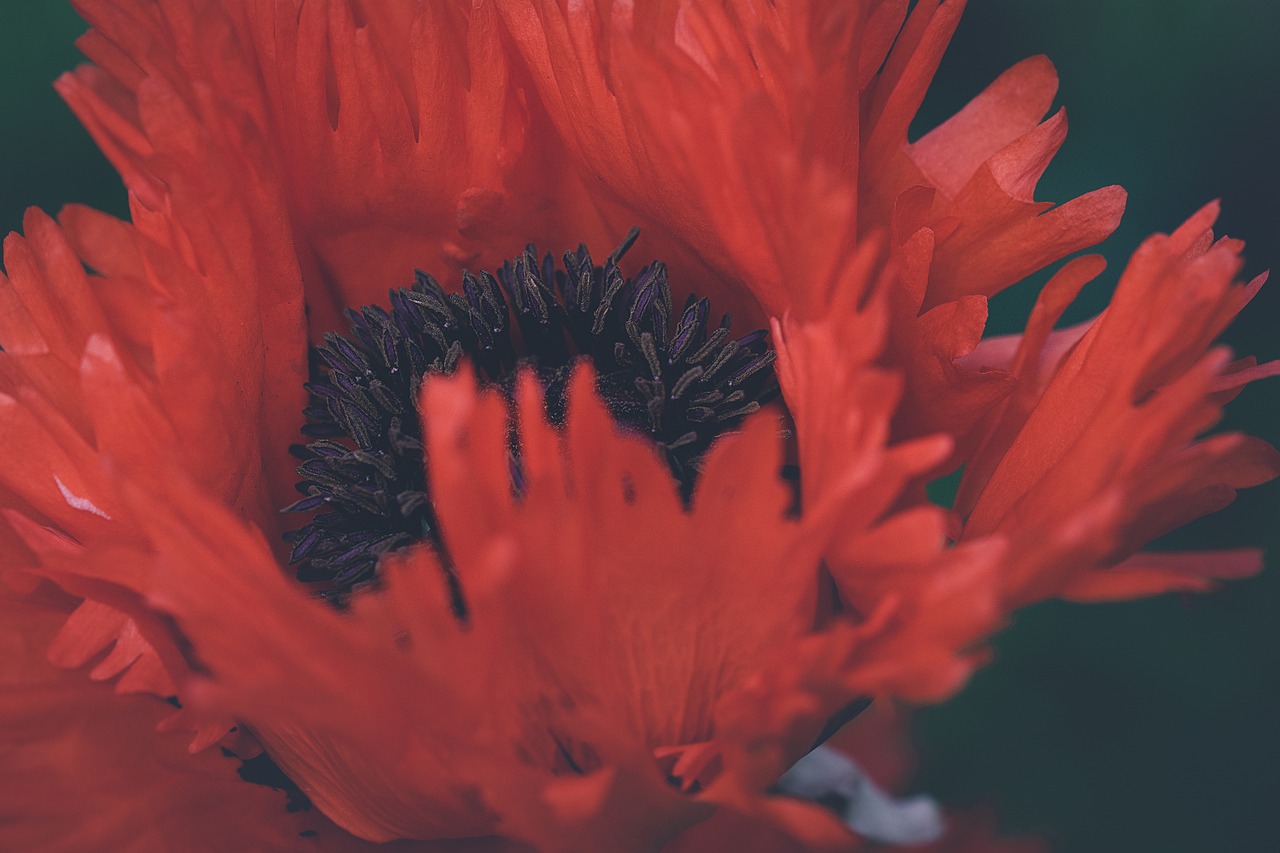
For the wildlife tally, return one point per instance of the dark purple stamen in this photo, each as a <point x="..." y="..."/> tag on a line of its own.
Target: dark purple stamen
<point x="364" y="472"/>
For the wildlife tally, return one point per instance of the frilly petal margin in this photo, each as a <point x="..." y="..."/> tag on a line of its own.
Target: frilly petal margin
<point x="380" y="137"/>
<point x="712" y="126"/>
<point x="586" y="697"/>
<point x="887" y="553"/>
<point x="204" y="193"/>
<point x="683" y="114"/>
<point x="108" y="340"/>
<point x="583" y="656"/>
<point x="1096" y="455"/>
<point x="736" y="128"/>
<point x="85" y="768"/>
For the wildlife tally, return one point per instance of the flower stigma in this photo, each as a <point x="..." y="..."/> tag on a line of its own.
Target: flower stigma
<point x="364" y="472"/>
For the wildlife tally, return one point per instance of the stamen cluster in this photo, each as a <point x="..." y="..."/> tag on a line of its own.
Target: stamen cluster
<point x="365" y="473"/>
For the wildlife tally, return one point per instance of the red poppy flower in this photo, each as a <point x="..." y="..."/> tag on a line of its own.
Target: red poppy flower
<point x="577" y="605"/>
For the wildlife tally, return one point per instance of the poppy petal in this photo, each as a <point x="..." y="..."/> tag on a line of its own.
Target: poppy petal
<point x="86" y="769"/>
<point x="1141" y="384"/>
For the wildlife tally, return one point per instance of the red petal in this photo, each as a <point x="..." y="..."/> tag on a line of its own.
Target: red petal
<point x="1150" y="574"/>
<point x="1101" y="460"/>
<point x="1007" y="109"/>
<point x="84" y="769"/>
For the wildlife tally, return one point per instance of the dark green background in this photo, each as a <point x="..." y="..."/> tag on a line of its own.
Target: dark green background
<point x="1139" y="727"/>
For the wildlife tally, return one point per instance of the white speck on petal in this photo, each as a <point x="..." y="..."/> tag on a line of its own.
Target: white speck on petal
<point x="78" y="502"/>
<point x="867" y="809"/>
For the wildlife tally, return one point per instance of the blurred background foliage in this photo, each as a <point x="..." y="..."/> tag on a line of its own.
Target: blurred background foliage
<point x="1145" y="726"/>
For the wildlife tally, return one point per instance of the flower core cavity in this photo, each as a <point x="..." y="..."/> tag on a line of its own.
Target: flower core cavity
<point x="364" y="474"/>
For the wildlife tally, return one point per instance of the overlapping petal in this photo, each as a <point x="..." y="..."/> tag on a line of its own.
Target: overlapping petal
<point x="585" y="662"/>
<point x="584" y="647"/>
<point x="1096" y="454"/>
<point x="86" y="769"/>
<point x="888" y="549"/>
<point x="733" y="126"/>
<point x="106" y="368"/>
<point x="379" y="137"/>
<point x="206" y="199"/>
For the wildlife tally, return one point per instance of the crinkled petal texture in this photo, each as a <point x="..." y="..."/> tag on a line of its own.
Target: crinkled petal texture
<point x="767" y="138"/>
<point x="888" y="556"/>
<point x="604" y="626"/>
<point x="1096" y="454"/>
<point x="609" y="630"/>
<point x="176" y="340"/>
<point x="754" y="143"/>
<point x="85" y="768"/>
<point x="121" y="356"/>
<point x="376" y="136"/>
<point x="586" y="663"/>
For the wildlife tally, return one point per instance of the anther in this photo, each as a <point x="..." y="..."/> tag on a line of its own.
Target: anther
<point x="363" y="473"/>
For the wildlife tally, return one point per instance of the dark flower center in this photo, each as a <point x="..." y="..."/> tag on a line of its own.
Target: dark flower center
<point x="364" y="473"/>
